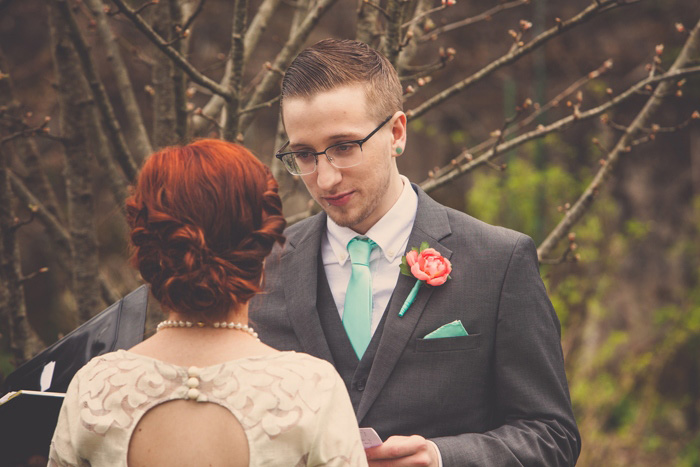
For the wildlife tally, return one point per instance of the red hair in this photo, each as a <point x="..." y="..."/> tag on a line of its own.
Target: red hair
<point x="203" y="218"/>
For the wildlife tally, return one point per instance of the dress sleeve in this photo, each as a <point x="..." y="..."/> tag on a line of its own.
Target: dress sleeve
<point x="337" y="439"/>
<point x="62" y="451"/>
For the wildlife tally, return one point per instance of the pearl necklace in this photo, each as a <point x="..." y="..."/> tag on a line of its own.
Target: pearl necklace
<point x="219" y="325"/>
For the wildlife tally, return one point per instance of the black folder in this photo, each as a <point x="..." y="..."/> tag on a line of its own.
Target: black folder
<point x="27" y="420"/>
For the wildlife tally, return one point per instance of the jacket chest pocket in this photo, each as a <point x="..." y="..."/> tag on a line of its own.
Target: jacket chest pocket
<point x="445" y="344"/>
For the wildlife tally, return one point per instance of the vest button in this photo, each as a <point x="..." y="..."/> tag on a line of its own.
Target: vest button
<point x="360" y="385"/>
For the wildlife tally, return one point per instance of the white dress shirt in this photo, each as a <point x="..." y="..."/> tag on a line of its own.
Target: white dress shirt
<point x="390" y="233"/>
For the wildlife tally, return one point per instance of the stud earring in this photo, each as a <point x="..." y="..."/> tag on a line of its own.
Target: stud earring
<point x="399" y="150"/>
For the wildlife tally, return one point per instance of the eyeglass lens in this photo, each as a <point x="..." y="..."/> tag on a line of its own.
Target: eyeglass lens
<point x="342" y="156"/>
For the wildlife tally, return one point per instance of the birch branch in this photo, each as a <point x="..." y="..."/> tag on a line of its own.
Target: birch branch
<point x="177" y="9"/>
<point x="577" y="211"/>
<point x="283" y="177"/>
<point x="136" y="129"/>
<point x="172" y="53"/>
<point x="284" y="58"/>
<point x="252" y="36"/>
<point x="391" y="42"/>
<point x="367" y="23"/>
<point x="195" y="13"/>
<point x="164" y="119"/>
<point x="414" y="32"/>
<point x="230" y="125"/>
<point x="596" y="8"/>
<point x="451" y="171"/>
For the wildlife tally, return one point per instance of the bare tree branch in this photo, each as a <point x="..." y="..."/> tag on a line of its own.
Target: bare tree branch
<point x="177" y="10"/>
<point x="691" y="48"/>
<point x="280" y="173"/>
<point x="414" y="31"/>
<point x="252" y="36"/>
<point x="367" y="22"/>
<point x="539" y="111"/>
<point x="240" y="10"/>
<point x="485" y="16"/>
<point x="284" y="58"/>
<point x="13" y="318"/>
<point x="172" y="53"/>
<point x="164" y="119"/>
<point x="57" y="233"/>
<point x="391" y="42"/>
<point x="264" y="105"/>
<point x="24" y="149"/>
<point x="594" y="9"/>
<point x="136" y="129"/>
<point x="193" y="16"/>
<point x="452" y="171"/>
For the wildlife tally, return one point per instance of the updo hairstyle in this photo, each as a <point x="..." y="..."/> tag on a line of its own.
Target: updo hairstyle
<point x="203" y="218"/>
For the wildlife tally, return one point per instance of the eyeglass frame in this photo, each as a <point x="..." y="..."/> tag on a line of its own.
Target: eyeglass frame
<point x="279" y="155"/>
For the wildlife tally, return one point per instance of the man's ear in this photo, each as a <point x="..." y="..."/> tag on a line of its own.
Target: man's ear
<point x="398" y="133"/>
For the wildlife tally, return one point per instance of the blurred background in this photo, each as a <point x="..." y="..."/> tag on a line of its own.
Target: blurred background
<point x="623" y="278"/>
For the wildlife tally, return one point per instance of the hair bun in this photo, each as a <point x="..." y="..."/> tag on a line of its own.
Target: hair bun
<point x="203" y="219"/>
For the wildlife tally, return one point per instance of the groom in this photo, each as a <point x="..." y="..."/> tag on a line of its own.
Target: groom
<point x="472" y="373"/>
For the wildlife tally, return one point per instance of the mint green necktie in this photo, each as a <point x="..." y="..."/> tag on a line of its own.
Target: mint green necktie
<point x="357" y="315"/>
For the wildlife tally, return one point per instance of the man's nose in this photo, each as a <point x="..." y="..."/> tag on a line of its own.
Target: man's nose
<point x="328" y="176"/>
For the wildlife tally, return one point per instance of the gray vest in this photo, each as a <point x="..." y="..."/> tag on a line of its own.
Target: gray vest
<point x="354" y="372"/>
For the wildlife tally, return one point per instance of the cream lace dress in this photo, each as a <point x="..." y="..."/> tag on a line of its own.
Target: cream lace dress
<point x="294" y="408"/>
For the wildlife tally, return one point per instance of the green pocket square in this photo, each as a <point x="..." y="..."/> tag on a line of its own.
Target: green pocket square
<point x="453" y="329"/>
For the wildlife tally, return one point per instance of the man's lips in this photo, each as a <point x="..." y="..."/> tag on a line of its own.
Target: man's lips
<point x="339" y="200"/>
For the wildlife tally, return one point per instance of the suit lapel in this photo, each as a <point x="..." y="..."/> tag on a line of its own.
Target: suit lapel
<point x="431" y="225"/>
<point x="299" y="266"/>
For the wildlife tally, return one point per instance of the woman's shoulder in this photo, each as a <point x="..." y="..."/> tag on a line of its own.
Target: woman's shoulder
<point x="305" y="360"/>
<point x="292" y="366"/>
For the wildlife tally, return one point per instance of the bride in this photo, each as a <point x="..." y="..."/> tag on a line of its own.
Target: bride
<point x="203" y="390"/>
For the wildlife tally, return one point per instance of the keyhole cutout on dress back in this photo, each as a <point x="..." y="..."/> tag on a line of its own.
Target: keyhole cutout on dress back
<point x="186" y="433"/>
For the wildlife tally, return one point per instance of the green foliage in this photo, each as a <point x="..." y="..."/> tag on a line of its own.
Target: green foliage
<point x="6" y="365"/>
<point x="598" y="88"/>
<point x="513" y="199"/>
<point x="636" y="229"/>
<point x="458" y="137"/>
<point x="690" y="455"/>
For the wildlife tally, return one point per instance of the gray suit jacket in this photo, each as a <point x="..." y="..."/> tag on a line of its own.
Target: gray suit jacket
<point x="498" y="396"/>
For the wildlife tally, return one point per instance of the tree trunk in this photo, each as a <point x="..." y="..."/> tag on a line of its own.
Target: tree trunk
<point x="164" y="118"/>
<point x="75" y="111"/>
<point x="14" y="329"/>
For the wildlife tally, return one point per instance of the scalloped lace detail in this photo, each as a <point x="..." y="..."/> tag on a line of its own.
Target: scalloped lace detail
<point x="278" y="399"/>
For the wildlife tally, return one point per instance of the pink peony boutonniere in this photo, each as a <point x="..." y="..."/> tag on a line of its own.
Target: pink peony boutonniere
<point x="427" y="266"/>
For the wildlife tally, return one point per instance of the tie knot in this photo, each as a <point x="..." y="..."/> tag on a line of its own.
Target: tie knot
<point x="360" y="248"/>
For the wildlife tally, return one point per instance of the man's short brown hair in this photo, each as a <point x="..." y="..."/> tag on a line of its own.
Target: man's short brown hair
<point x="332" y="63"/>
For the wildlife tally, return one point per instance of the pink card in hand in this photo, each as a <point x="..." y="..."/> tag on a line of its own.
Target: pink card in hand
<point x="369" y="437"/>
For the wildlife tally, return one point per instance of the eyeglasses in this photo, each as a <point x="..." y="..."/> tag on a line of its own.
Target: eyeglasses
<point x="340" y="155"/>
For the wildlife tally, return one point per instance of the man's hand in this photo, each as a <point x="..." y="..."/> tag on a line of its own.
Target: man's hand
<point x="403" y="451"/>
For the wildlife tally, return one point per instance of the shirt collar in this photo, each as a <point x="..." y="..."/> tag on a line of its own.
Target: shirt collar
<point x="390" y="233"/>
